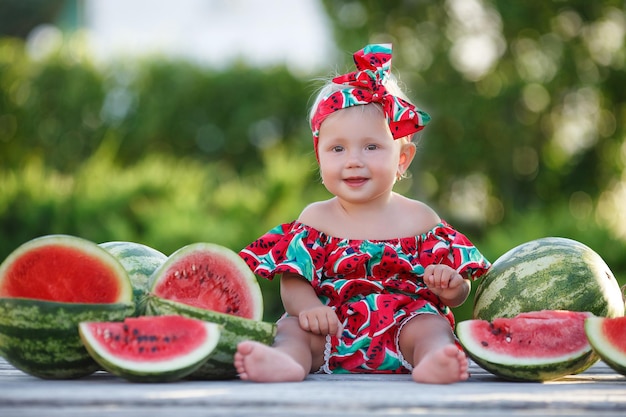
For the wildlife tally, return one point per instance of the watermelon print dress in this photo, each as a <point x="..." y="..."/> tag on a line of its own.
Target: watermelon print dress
<point x="374" y="286"/>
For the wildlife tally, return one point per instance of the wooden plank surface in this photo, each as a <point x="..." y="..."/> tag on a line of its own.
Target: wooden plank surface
<point x="599" y="391"/>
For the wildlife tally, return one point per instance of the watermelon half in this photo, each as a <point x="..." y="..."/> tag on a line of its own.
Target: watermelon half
<point x="607" y="336"/>
<point x="550" y="273"/>
<point x="150" y="348"/>
<point x="140" y="261"/>
<point x="47" y="286"/>
<point x="534" y="346"/>
<point x="211" y="277"/>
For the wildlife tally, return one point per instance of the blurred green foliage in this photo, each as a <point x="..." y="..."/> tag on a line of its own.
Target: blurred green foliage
<point x="167" y="153"/>
<point x="527" y="99"/>
<point x="63" y="107"/>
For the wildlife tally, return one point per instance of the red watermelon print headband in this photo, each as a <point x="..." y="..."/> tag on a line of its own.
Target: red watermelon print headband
<point x="365" y="86"/>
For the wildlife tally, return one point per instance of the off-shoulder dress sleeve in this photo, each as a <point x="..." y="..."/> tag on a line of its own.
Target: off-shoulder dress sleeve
<point x="289" y="247"/>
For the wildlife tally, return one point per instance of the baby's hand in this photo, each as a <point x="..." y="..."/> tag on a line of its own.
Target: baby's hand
<point x="442" y="280"/>
<point x="320" y="320"/>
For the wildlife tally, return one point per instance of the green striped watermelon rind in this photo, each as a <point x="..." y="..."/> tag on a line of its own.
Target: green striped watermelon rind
<point x="517" y="369"/>
<point x="518" y="282"/>
<point x="613" y="357"/>
<point x="234" y="330"/>
<point x="41" y="338"/>
<point x="142" y="371"/>
<point x="140" y="261"/>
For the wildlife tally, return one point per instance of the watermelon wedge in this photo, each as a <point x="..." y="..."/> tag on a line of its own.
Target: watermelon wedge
<point x="607" y="336"/>
<point x="150" y="348"/>
<point x="534" y="346"/>
<point x="211" y="277"/>
<point x="47" y="286"/>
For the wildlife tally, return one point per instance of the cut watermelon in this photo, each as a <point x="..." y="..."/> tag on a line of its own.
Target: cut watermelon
<point x="211" y="277"/>
<point x="47" y="286"/>
<point x="64" y="268"/>
<point x="150" y="348"/>
<point x="234" y="330"/>
<point x="607" y="336"/>
<point x="533" y="346"/>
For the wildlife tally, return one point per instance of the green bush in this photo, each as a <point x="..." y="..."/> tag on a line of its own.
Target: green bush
<point x="63" y="107"/>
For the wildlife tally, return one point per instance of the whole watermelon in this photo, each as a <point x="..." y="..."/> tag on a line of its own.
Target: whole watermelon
<point x="140" y="261"/>
<point x="550" y="273"/>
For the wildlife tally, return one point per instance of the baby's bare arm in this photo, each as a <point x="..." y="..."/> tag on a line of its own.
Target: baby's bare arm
<point x="447" y="284"/>
<point x="300" y="300"/>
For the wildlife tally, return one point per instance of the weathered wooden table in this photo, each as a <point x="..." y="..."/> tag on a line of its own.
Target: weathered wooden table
<point x="599" y="391"/>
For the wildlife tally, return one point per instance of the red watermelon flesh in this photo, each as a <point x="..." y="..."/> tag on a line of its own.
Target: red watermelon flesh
<point x="145" y="339"/>
<point x="533" y="346"/>
<point x="615" y="332"/>
<point x="151" y="348"/>
<point x="63" y="269"/>
<point x="210" y="277"/>
<point x="534" y="334"/>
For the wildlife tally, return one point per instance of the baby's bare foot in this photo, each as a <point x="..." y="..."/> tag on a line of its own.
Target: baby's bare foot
<point x="261" y="363"/>
<point x="442" y="366"/>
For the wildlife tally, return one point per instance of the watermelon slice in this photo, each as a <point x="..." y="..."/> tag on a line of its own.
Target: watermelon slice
<point x="607" y="336"/>
<point x="534" y="346"/>
<point x="234" y="330"/>
<point x="150" y="348"/>
<point x="210" y="277"/>
<point x="47" y="286"/>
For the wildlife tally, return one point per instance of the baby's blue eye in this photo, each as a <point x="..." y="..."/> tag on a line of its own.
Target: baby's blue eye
<point x="337" y="148"/>
<point x="371" y="147"/>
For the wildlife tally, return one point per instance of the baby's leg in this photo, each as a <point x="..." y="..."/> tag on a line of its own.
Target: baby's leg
<point x="290" y="359"/>
<point x="428" y="341"/>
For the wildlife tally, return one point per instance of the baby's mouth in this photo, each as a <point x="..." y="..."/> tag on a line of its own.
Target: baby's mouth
<point x="354" y="181"/>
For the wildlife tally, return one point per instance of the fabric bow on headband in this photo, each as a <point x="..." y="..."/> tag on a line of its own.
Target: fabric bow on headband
<point x="367" y="85"/>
